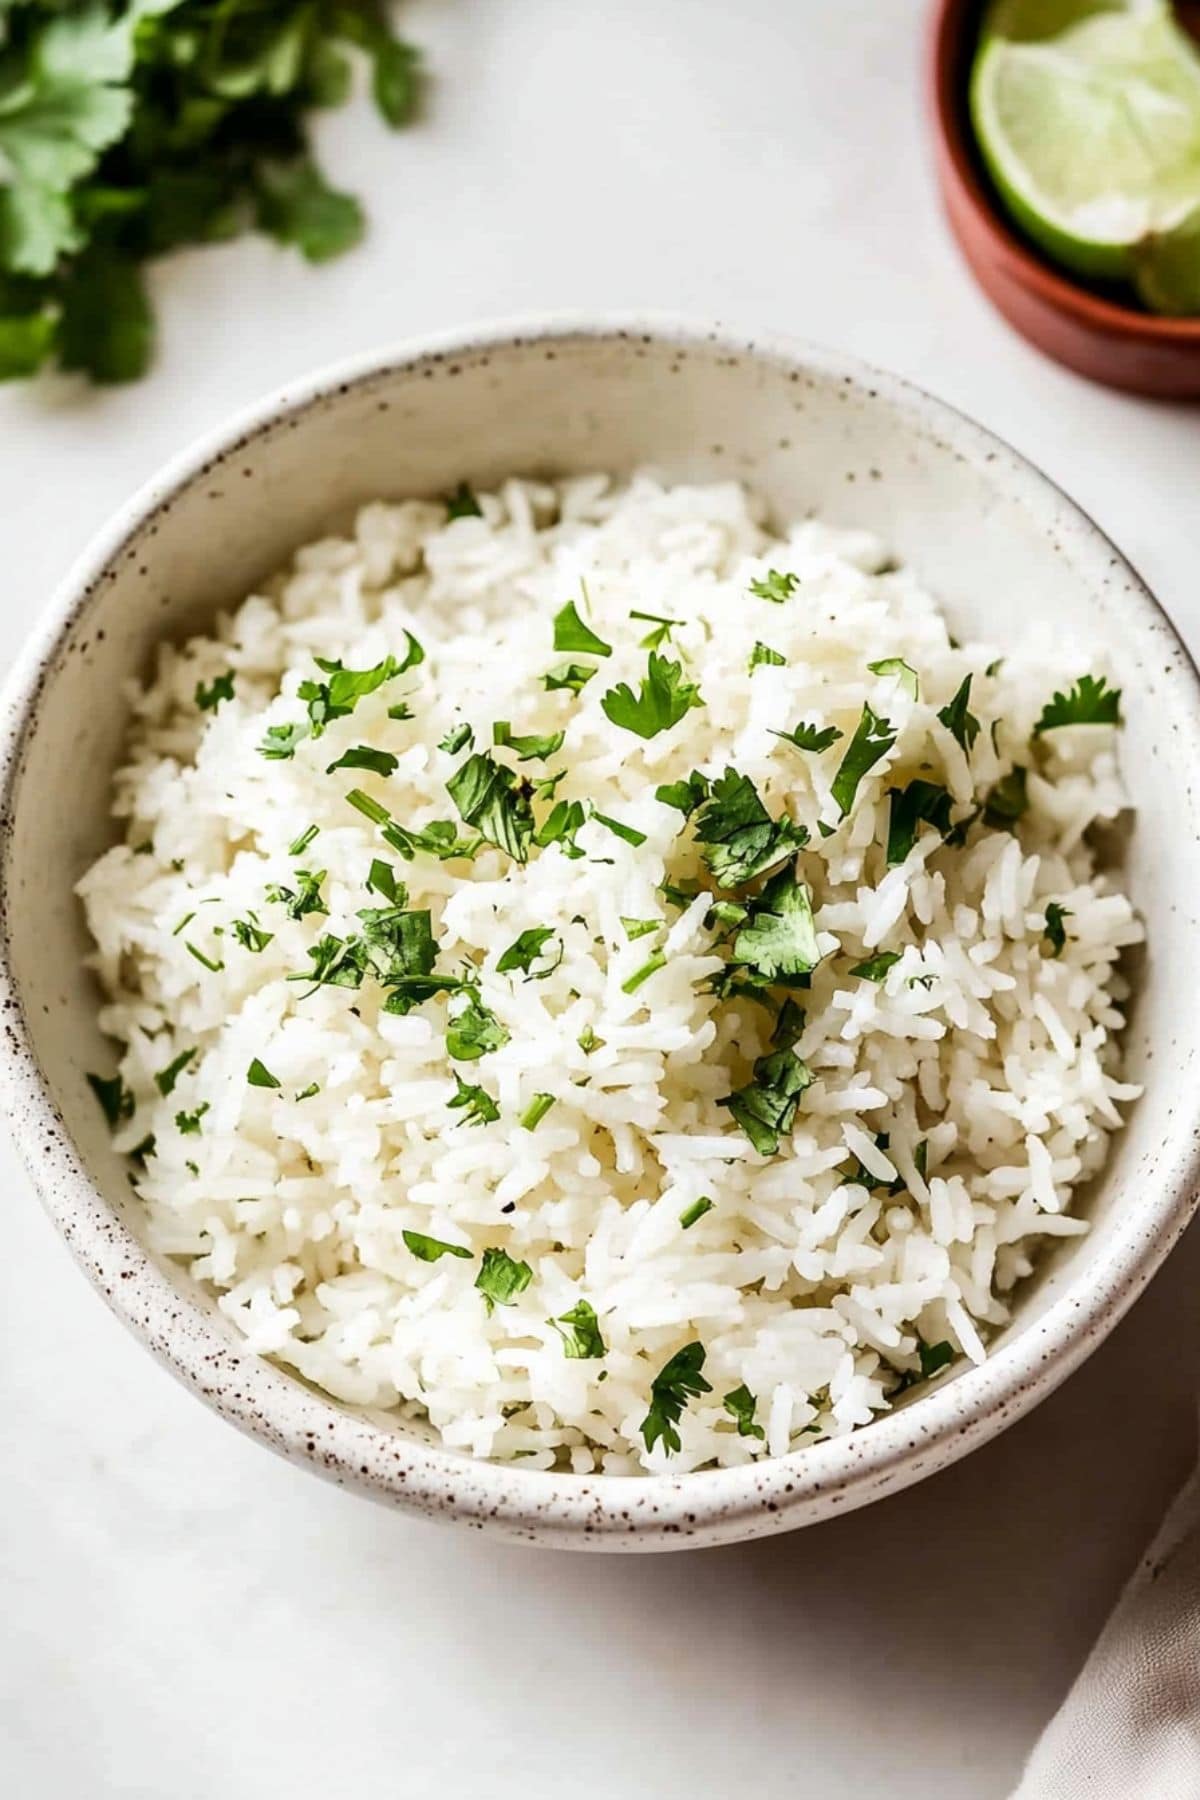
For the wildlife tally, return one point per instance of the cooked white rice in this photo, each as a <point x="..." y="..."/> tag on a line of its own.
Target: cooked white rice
<point x="954" y="1105"/>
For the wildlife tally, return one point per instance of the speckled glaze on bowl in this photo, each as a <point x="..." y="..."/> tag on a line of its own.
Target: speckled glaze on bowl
<point x="997" y="543"/>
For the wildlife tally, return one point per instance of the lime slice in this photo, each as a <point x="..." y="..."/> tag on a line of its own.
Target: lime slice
<point x="1092" y="136"/>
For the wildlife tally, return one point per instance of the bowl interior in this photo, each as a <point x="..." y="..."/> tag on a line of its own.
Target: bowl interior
<point x="997" y="545"/>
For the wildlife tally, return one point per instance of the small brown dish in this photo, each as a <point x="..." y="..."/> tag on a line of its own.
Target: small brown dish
<point x="1097" y="335"/>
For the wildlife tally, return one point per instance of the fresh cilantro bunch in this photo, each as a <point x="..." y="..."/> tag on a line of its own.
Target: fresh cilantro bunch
<point x="131" y="127"/>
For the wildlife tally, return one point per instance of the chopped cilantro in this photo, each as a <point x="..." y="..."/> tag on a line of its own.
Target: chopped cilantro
<point x="909" y="806"/>
<point x="628" y="832"/>
<point x="474" y="1031"/>
<point x="258" y="1075"/>
<point x="528" y="749"/>
<point x="572" y="635"/>
<point x="475" y="1103"/>
<point x="188" y="1123"/>
<point x="523" y="952"/>
<point x="209" y="698"/>
<point x="1089" y="702"/>
<point x="876" y="967"/>
<point x="811" y="737"/>
<point x="459" y="737"/>
<point x="582" y="1342"/>
<point x="361" y="756"/>
<point x="684" y="796"/>
<point x="636" y="928"/>
<point x="934" y="1357"/>
<point x="873" y="738"/>
<point x="431" y="1249"/>
<point x="643" y="974"/>
<point x="776" y="587"/>
<point x="370" y="809"/>
<point x="663" y="699"/>
<point x="401" y="710"/>
<point x="906" y="676"/>
<point x="588" y="1041"/>
<point x="740" y="837"/>
<point x="186" y="920"/>
<point x="1056" y="930"/>
<point x="336" y="963"/>
<point x="678" y="1381"/>
<point x="397" y="943"/>
<point x="536" y="1111"/>
<point x="962" y="724"/>
<point x="304" y="898"/>
<point x="766" y="1107"/>
<point x="306" y="1093"/>
<point x="147" y="1147"/>
<point x="281" y="740"/>
<point x="116" y="1101"/>
<point x="1008" y="800"/>
<point x="500" y="1279"/>
<point x="788" y="1025"/>
<point x="573" y="676"/>
<point x="741" y="1405"/>
<point x="779" y="940"/>
<point x="654" y="640"/>
<point x="381" y="879"/>
<point x="763" y="653"/>
<point x="300" y="844"/>
<point x="166" y="1078"/>
<point x="462" y="504"/>
<point x="560" y="827"/>
<point x="206" y="961"/>
<point x="492" y="799"/>
<point x="338" y="697"/>
<point x="439" y="838"/>
<point x="695" y="1211"/>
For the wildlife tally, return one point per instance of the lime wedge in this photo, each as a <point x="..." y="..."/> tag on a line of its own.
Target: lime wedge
<point x="1092" y="135"/>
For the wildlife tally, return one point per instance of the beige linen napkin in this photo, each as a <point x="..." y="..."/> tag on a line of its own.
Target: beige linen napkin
<point x="1130" y="1727"/>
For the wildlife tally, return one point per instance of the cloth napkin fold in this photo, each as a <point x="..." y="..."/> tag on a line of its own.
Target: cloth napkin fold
<point x="1130" y="1727"/>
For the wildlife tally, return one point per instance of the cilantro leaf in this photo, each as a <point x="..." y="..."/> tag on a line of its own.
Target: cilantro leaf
<point x="1055" y="931"/>
<point x="361" y="756"/>
<point x="766" y="1107"/>
<point x="209" y="698"/>
<point x="258" y="1075"/>
<point x="297" y="206"/>
<point x="490" y="798"/>
<point x="1088" y="702"/>
<point x="776" y="587"/>
<point x="474" y="1031"/>
<point x="962" y="725"/>
<point x="909" y="806"/>
<point x="741" y="1405"/>
<point x="582" y="1342"/>
<point x="560" y="827"/>
<point x="574" y="676"/>
<point x="779" y="940"/>
<point x="475" y="1103"/>
<point x="304" y="898"/>
<point x="500" y="1279"/>
<point x="572" y="635"/>
<point x="629" y="833"/>
<point x="873" y="738"/>
<point x="691" y="1214"/>
<point x="300" y="844"/>
<point x="654" y="640"/>
<point x="763" y="653"/>
<point x="905" y="674"/>
<point x="810" y="737"/>
<point x="662" y="701"/>
<point x="678" y="1381"/>
<point x="431" y="1249"/>
<point x="1008" y="800"/>
<point x="636" y="928"/>
<point x="523" y="952"/>
<point x="462" y="504"/>
<point x="876" y="967"/>
<point x="105" y="328"/>
<point x="641" y="975"/>
<point x="166" y="1078"/>
<point x="116" y="1101"/>
<point x="536" y="1111"/>
<point x="381" y="879"/>
<point x="684" y="796"/>
<point x="338" y="697"/>
<point x="281" y="741"/>
<point x="188" y="1124"/>
<point x="459" y="737"/>
<point x="528" y="749"/>
<point x="336" y="963"/>
<point x="740" y="837"/>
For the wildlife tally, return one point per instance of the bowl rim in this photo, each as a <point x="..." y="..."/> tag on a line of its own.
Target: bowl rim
<point x="615" y="1512"/>
<point x="951" y="24"/>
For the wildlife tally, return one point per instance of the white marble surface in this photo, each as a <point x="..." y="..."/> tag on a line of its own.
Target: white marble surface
<point x="185" y="1617"/>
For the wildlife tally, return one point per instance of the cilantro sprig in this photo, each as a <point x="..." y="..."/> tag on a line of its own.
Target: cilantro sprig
<point x="678" y="1381"/>
<point x="663" y="698"/>
<point x="1089" y="702"/>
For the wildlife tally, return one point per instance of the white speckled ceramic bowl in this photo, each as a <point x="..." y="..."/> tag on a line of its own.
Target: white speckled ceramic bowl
<point x="997" y="543"/>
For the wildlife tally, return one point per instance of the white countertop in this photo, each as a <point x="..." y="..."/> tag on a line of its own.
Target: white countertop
<point x="187" y="1618"/>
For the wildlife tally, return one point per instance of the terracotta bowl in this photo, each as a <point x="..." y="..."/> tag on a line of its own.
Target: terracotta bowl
<point x="812" y="431"/>
<point x="1094" y="334"/>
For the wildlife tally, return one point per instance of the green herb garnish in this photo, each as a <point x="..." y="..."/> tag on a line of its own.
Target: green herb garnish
<point x="695" y="1211"/>
<point x="654" y="640"/>
<point x="209" y="698"/>
<point x="574" y="676"/>
<point x="381" y="879"/>
<point x="766" y="1107"/>
<point x="166" y="1078"/>
<point x="431" y="1249"/>
<point x="1055" y="930"/>
<point x="474" y="1031"/>
<point x="300" y="844"/>
<point x="876" y="967"/>
<point x="475" y="1103"/>
<point x="582" y="1341"/>
<point x="643" y="974"/>
<point x="663" y="699"/>
<point x="495" y="802"/>
<point x="684" y="796"/>
<point x="188" y="1123"/>
<point x="572" y="635"/>
<point x="460" y="737"/>
<point x="776" y="587"/>
<point x="462" y="504"/>
<point x="500" y="1279"/>
<point x="1089" y="702"/>
<point x="258" y="1075"/>
<point x="523" y="952"/>
<point x="361" y="756"/>
<point x="281" y="741"/>
<point x="561" y="827"/>
<point x="873" y="738"/>
<point x="962" y="724"/>
<point x="677" y="1382"/>
<point x="919" y="801"/>
<point x="811" y="737"/>
<point x="629" y="833"/>
<point x="637" y="928"/>
<point x="741" y="1405"/>
<point x="778" y="940"/>
<point x="536" y="1111"/>
<point x="763" y="653"/>
<point x="116" y="1101"/>
<point x="206" y="961"/>
<point x="304" y="898"/>
<point x="740" y="837"/>
<point x="528" y="749"/>
<point x="1008" y="800"/>
<point x="906" y="676"/>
